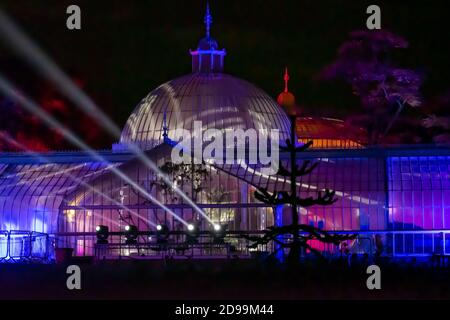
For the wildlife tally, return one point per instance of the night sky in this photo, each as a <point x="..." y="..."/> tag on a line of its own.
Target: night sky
<point x="127" y="48"/>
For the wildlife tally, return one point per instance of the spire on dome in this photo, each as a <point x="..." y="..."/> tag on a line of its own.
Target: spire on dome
<point x="208" y="20"/>
<point x="208" y="58"/>
<point x="165" y="128"/>
<point x="286" y="80"/>
<point x="285" y="98"/>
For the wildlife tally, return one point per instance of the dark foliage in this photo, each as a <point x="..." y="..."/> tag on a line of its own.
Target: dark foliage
<point x="365" y="62"/>
<point x="20" y="130"/>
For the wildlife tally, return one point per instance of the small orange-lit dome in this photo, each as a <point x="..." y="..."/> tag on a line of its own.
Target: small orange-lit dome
<point x="286" y="99"/>
<point x="325" y="133"/>
<point x="328" y="133"/>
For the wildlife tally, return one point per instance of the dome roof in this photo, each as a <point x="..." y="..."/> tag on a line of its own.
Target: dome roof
<point x="219" y="100"/>
<point x="327" y="128"/>
<point x="286" y="99"/>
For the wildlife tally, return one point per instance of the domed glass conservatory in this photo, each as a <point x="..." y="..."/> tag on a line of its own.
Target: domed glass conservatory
<point x="218" y="100"/>
<point x="56" y="200"/>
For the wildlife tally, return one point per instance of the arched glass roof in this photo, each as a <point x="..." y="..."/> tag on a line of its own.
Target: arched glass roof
<point x="220" y="101"/>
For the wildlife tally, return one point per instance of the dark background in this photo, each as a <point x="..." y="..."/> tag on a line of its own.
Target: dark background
<point x="127" y="48"/>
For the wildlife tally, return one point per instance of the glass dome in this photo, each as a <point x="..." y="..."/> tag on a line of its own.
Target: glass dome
<point x="219" y="100"/>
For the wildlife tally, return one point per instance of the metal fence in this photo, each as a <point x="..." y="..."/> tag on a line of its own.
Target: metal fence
<point x="25" y="247"/>
<point x="230" y="246"/>
<point x="387" y="243"/>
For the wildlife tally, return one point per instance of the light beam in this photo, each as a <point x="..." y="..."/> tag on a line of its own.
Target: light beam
<point x="22" y="45"/>
<point x="33" y="108"/>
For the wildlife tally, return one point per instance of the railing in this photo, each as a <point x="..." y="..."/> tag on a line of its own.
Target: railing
<point x="203" y="248"/>
<point x="401" y="243"/>
<point x="146" y="250"/>
<point x="25" y="247"/>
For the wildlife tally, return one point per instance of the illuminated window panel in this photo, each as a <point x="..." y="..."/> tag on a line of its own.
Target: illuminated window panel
<point x="406" y="199"/>
<point x="331" y="143"/>
<point x="419" y="195"/>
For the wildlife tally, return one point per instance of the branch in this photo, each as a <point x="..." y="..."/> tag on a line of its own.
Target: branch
<point x="312" y="233"/>
<point x="276" y="198"/>
<point x="395" y="117"/>
<point x="324" y="199"/>
<point x="283" y="197"/>
<point x="291" y="148"/>
<point x="306" y="168"/>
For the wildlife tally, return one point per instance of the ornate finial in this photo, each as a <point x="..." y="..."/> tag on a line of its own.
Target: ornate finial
<point x="208" y="58"/>
<point x="285" y="98"/>
<point x="208" y="19"/>
<point x="165" y="129"/>
<point x="286" y="80"/>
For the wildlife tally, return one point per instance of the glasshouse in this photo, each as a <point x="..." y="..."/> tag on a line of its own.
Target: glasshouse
<point x="120" y="204"/>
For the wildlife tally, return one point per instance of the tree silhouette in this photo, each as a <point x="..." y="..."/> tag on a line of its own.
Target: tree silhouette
<point x="437" y="120"/>
<point x="365" y="62"/>
<point x="300" y="233"/>
<point x="193" y="175"/>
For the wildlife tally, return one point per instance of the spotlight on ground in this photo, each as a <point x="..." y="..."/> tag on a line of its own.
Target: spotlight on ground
<point x="192" y="234"/>
<point x="162" y="233"/>
<point x="219" y="233"/>
<point x="131" y="234"/>
<point x="162" y="228"/>
<point x="102" y="233"/>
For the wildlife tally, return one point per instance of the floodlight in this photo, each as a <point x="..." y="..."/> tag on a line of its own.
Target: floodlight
<point x="131" y="234"/>
<point x="162" y="229"/>
<point x="220" y="231"/>
<point x="162" y="233"/>
<point x="192" y="234"/>
<point x="102" y="233"/>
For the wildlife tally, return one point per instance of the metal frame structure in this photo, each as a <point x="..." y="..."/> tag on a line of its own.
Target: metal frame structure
<point x="25" y="246"/>
<point x="401" y="194"/>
